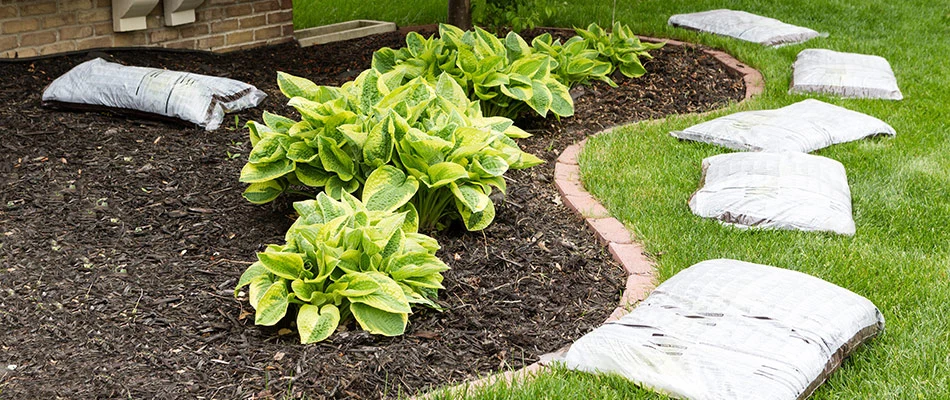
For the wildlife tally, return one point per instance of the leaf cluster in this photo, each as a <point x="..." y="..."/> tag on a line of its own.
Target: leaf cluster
<point x="430" y="132"/>
<point x="619" y="47"/>
<point x="347" y="258"/>
<point x="511" y="15"/>
<point x="507" y="76"/>
<point x="577" y="62"/>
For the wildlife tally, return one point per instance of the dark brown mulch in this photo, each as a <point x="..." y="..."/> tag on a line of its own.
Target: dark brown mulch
<point x="121" y="240"/>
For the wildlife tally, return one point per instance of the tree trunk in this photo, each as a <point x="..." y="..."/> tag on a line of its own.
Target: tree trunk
<point x="460" y="14"/>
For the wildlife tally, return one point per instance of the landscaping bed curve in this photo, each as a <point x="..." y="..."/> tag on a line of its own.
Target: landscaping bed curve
<point x="123" y="238"/>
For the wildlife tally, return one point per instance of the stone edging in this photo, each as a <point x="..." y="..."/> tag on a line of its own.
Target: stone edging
<point x="641" y="272"/>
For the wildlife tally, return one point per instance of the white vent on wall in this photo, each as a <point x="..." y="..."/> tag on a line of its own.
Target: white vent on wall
<point x="129" y="15"/>
<point x="178" y="12"/>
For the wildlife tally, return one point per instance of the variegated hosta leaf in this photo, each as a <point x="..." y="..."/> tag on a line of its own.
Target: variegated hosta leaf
<point x="256" y="131"/>
<point x="359" y="284"/>
<point x="264" y="192"/>
<point x="337" y="187"/>
<point x="301" y="153"/>
<point x="516" y="46"/>
<point x="389" y="297"/>
<point x="283" y="264"/>
<point x="633" y="69"/>
<point x="561" y="102"/>
<point x="540" y="100"/>
<point x="388" y="188"/>
<point x="311" y="176"/>
<point x="489" y="166"/>
<point x="384" y="60"/>
<point x="416" y="265"/>
<point x="379" y="322"/>
<point x="334" y="159"/>
<point x="470" y="197"/>
<point x="253" y="173"/>
<point x="253" y="272"/>
<point x="450" y="90"/>
<point x="272" y="305"/>
<point x="476" y="221"/>
<point x="304" y="290"/>
<point x="268" y="149"/>
<point x="316" y="323"/>
<point x="293" y="86"/>
<point x="444" y="173"/>
<point x="258" y="287"/>
<point x="278" y="123"/>
<point x="426" y="242"/>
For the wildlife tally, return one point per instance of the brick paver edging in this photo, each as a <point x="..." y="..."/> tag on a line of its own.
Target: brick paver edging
<point x="641" y="273"/>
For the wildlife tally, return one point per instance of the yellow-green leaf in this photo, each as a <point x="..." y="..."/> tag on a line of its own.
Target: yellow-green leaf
<point x="301" y="153"/>
<point x="258" y="287"/>
<point x="562" y="104"/>
<point x="317" y="323"/>
<point x="263" y="192"/>
<point x="253" y="272"/>
<point x="278" y="123"/>
<point x="470" y="197"/>
<point x="335" y="159"/>
<point x="476" y="221"/>
<point x="311" y="176"/>
<point x="267" y="150"/>
<point x="253" y="173"/>
<point x="304" y="290"/>
<point x="444" y="173"/>
<point x="388" y="188"/>
<point x="379" y="322"/>
<point x="389" y="297"/>
<point x="273" y="304"/>
<point x="293" y="86"/>
<point x="540" y="100"/>
<point x="283" y="264"/>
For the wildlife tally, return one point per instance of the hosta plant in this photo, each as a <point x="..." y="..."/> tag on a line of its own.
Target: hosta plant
<point x="620" y="47"/>
<point x="577" y="63"/>
<point x="348" y="259"/>
<point x="430" y="131"/>
<point x="506" y="76"/>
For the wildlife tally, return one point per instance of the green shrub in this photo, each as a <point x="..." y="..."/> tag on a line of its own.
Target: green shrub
<point x="430" y="132"/>
<point x="507" y="77"/>
<point x="347" y="258"/>
<point x="510" y="15"/>
<point x="577" y="63"/>
<point x="620" y="47"/>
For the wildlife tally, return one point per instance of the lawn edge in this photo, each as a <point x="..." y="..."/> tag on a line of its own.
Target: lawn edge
<point x="611" y="232"/>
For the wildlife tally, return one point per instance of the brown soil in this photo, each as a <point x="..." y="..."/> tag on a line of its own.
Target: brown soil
<point x="121" y="240"/>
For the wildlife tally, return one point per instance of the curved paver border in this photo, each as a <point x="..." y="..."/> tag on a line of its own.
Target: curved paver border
<point x="641" y="272"/>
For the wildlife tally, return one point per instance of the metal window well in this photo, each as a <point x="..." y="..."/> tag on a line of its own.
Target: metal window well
<point x="342" y="31"/>
<point x="728" y="329"/>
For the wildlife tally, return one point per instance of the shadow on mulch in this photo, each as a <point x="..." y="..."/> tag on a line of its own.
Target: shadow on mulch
<point x="121" y="241"/>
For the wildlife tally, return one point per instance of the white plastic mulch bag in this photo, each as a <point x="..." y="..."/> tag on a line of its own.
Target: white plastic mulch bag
<point x="794" y="191"/>
<point x="727" y="329"/>
<point x="195" y="98"/>
<point x="805" y="126"/>
<point x="744" y="26"/>
<point x="844" y="74"/>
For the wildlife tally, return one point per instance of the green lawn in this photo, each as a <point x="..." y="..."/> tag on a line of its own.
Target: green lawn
<point x="900" y="256"/>
<point x="311" y="13"/>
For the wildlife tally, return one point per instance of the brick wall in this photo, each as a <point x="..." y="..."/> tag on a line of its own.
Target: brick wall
<point x="38" y="27"/>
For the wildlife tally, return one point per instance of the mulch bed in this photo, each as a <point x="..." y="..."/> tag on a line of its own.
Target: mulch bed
<point x="121" y="240"/>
